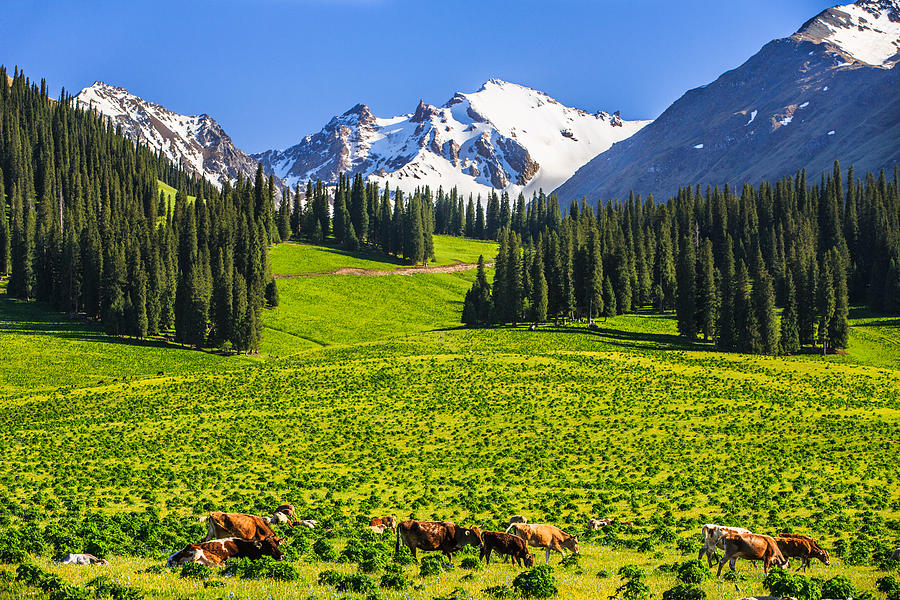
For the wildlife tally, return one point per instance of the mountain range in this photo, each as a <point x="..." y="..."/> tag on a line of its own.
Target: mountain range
<point x="830" y="91"/>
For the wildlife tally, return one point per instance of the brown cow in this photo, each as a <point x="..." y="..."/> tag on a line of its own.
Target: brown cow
<point x="751" y="546"/>
<point x="389" y="521"/>
<point x="436" y="535"/>
<point x="225" y="525"/>
<point x="549" y="537"/>
<point x="214" y="553"/>
<point x="506" y="544"/>
<point x="801" y="547"/>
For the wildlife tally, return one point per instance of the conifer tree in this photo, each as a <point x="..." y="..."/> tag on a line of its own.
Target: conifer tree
<point x="470" y="219"/>
<point x="826" y="300"/>
<point x="686" y="306"/>
<point x="4" y="231"/>
<point x="359" y="214"/>
<point x="790" y="327"/>
<point x="479" y="221"/>
<point x="746" y="324"/>
<point x="839" y="327"/>
<point x="609" y="299"/>
<point x="478" y="306"/>
<point x="707" y="296"/>
<point x="539" y="299"/>
<point x="727" y="327"/>
<point x="764" y="306"/>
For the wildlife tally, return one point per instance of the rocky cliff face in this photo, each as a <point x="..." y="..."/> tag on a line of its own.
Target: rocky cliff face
<point x="828" y="92"/>
<point x="502" y="137"/>
<point x="197" y="142"/>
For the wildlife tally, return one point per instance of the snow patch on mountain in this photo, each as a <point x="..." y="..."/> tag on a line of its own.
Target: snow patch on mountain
<point x="503" y="137"/>
<point x="196" y="142"/>
<point x="867" y="31"/>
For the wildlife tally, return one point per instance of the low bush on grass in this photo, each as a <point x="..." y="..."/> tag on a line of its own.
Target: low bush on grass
<point x="536" y="583"/>
<point x="684" y="591"/>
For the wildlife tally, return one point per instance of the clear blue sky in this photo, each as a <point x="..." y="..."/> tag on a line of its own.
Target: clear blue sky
<point x="272" y="71"/>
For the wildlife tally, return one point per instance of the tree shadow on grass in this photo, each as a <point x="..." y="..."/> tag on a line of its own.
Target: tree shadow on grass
<point x="32" y="318"/>
<point x="369" y="254"/>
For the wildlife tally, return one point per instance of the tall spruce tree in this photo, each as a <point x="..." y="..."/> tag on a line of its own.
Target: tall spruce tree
<point x="686" y="306"/>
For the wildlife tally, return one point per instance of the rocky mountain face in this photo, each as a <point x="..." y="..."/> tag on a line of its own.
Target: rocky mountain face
<point x="502" y="137"/>
<point x="830" y="91"/>
<point x="197" y="142"/>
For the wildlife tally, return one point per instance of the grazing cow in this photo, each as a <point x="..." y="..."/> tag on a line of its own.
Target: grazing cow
<point x="751" y="546"/>
<point x="379" y="529"/>
<point x="549" y="537"/>
<point x="214" y="553"/>
<point x="506" y="544"/>
<point x="712" y="538"/>
<point x="436" y="535"/>
<point x="308" y="523"/>
<point x="221" y="525"/>
<point x="801" y="547"/>
<point x="389" y="521"/>
<point x="82" y="559"/>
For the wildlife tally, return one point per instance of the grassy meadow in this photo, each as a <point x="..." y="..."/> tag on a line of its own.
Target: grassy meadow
<point x="369" y="399"/>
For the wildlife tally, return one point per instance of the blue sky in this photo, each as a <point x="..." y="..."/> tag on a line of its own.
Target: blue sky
<point x="272" y="71"/>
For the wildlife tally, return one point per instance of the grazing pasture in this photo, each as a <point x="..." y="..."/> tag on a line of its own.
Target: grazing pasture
<point x="379" y="404"/>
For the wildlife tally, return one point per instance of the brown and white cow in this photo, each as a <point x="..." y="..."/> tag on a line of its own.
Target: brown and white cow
<point x="82" y="559"/>
<point x="516" y="519"/>
<point x="712" y="538"/>
<point x="506" y="544"/>
<point x="214" y="553"/>
<point x="379" y="529"/>
<point x="388" y="521"/>
<point x="594" y="524"/>
<point x="436" y="535"/>
<point x="802" y="547"/>
<point x="751" y="546"/>
<point x="221" y="525"/>
<point x="549" y="537"/>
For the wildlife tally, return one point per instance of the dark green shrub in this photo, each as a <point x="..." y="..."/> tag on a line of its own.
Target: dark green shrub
<point x="434" y="565"/>
<point x="686" y="546"/>
<point x="887" y="584"/>
<point x="733" y="576"/>
<point x="632" y="589"/>
<point x="216" y="583"/>
<point x="603" y="574"/>
<point x="404" y="556"/>
<point x="631" y="572"/>
<point x="455" y="594"/>
<point x="263" y="568"/>
<point x="684" y="591"/>
<point x="470" y="563"/>
<point x="536" y="583"/>
<point x="330" y="577"/>
<point x="838" y="588"/>
<point x="692" y="572"/>
<point x="783" y="583"/>
<point x="357" y="583"/>
<point x="105" y="587"/>
<point x="192" y="570"/>
<point x="393" y="578"/>
<point x="500" y="592"/>
<point x="324" y="550"/>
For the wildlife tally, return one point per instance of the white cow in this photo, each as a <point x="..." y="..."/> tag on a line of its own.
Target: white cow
<point x="82" y="559"/>
<point x="712" y="539"/>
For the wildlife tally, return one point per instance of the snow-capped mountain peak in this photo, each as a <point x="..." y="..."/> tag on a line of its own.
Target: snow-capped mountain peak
<point x="197" y="142"/>
<point x="867" y="31"/>
<point x="504" y="136"/>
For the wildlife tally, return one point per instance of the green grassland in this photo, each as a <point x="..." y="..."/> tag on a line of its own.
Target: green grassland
<point x="370" y="399"/>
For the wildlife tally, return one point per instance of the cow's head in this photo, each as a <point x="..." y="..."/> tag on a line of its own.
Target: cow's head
<point x="269" y="547"/>
<point x="470" y="536"/>
<point x="189" y="554"/>
<point x="821" y="554"/>
<point x="528" y="560"/>
<point x="571" y="543"/>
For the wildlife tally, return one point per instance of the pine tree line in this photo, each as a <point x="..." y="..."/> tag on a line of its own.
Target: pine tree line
<point x="85" y="229"/>
<point x="723" y="262"/>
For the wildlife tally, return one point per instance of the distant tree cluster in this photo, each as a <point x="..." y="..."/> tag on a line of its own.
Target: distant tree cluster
<point x="84" y="228"/>
<point x="723" y="262"/>
<point x="364" y="215"/>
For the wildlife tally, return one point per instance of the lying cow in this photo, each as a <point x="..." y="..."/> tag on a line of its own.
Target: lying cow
<point x="389" y="521"/>
<point x="221" y="525"/>
<point x="379" y="529"/>
<point x="214" y="553"/>
<point x="549" y="537"/>
<point x="751" y="546"/>
<point x="595" y="524"/>
<point x="436" y="535"/>
<point x="308" y="523"/>
<point x="803" y="548"/>
<point x="283" y="515"/>
<point x="506" y="544"/>
<point x="712" y="538"/>
<point x="82" y="559"/>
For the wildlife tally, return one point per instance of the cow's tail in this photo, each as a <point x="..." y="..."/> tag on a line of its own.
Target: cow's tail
<point x="397" y="543"/>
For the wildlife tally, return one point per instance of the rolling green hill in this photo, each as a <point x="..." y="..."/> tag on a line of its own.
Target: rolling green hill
<point x="370" y="399"/>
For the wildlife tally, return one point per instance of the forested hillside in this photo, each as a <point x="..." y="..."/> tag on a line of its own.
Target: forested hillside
<point x="722" y="261"/>
<point x="86" y="229"/>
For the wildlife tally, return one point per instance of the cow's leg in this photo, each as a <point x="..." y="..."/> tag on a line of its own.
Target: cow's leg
<point x="548" y="554"/>
<point x="722" y="564"/>
<point x="487" y="554"/>
<point x="733" y="562"/>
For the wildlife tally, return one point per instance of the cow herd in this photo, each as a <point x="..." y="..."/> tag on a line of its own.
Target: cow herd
<point x="738" y="542"/>
<point x="235" y="535"/>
